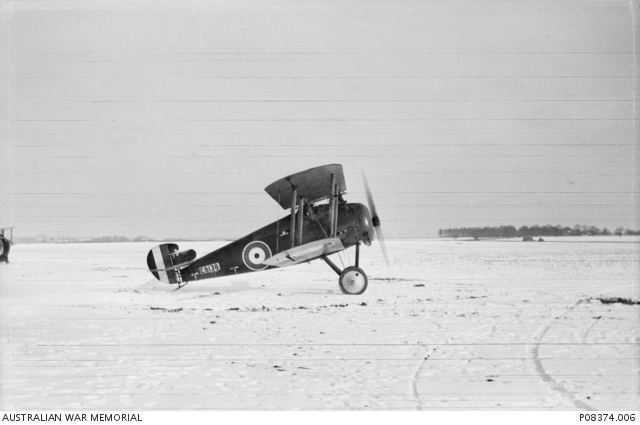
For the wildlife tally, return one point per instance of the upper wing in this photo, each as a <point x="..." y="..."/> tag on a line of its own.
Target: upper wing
<point x="313" y="184"/>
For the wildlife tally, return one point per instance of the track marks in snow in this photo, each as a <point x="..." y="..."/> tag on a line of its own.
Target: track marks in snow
<point x="536" y="366"/>
<point x="416" y="378"/>
<point x="586" y="331"/>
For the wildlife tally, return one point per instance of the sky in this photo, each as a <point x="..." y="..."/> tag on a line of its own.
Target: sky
<point x="168" y="119"/>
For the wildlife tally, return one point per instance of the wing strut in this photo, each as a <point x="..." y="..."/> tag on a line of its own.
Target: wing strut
<point x="300" y="219"/>
<point x="278" y="229"/>
<point x="332" y="207"/>
<point x="292" y="229"/>
<point x="335" y="212"/>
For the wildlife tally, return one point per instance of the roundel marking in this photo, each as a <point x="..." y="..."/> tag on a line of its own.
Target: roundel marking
<point x="254" y="254"/>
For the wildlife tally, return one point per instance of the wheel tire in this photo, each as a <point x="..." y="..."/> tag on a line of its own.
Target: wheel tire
<point x="353" y="281"/>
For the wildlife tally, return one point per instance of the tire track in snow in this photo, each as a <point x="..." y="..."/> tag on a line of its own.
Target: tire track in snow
<point x="586" y="331"/>
<point x="533" y="349"/>
<point x="416" y="377"/>
<point x="536" y="367"/>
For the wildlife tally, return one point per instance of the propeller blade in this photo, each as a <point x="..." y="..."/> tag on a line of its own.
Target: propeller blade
<point x="383" y="246"/>
<point x="372" y="205"/>
<point x="375" y="219"/>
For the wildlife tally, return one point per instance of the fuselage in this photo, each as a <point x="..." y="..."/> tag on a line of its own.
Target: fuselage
<point x="354" y="225"/>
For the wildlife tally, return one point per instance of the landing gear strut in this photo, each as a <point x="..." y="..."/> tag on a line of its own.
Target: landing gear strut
<point x="353" y="280"/>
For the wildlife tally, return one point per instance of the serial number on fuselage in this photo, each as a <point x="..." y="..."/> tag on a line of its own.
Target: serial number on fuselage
<point x="211" y="268"/>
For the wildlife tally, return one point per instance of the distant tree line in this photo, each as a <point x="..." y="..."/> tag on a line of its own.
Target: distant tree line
<point x="69" y="239"/>
<point x="101" y="239"/>
<point x="535" y="230"/>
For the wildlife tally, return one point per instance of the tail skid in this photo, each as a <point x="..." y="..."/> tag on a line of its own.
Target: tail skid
<point x="165" y="262"/>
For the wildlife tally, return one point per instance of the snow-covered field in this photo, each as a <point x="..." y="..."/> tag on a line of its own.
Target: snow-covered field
<point x="452" y="325"/>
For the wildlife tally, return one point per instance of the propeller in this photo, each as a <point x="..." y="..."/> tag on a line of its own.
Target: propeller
<point x="375" y="219"/>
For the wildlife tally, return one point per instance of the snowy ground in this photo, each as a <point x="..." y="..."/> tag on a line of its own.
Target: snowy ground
<point x="453" y="325"/>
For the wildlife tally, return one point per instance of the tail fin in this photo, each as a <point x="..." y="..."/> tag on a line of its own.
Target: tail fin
<point x="165" y="262"/>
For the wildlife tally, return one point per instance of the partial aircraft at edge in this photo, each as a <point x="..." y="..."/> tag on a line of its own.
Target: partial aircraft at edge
<point x="309" y="233"/>
<point x="5" y="244"/>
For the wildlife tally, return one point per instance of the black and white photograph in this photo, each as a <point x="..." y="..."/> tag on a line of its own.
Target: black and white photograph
<point x="331" y="205"/>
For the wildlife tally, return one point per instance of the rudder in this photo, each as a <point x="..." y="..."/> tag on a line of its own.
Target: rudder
<point x="165" y="261"/>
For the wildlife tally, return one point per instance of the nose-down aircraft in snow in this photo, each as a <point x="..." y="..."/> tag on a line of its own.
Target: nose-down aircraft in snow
<point x="312" y="231"/>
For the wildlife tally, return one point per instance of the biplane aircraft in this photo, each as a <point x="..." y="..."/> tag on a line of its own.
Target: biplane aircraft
<point x="313" y="230"/>
<point x="5" y="244"/>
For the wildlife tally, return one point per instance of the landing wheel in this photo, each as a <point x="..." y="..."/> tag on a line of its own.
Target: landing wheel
<point x="353" y="281"/>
